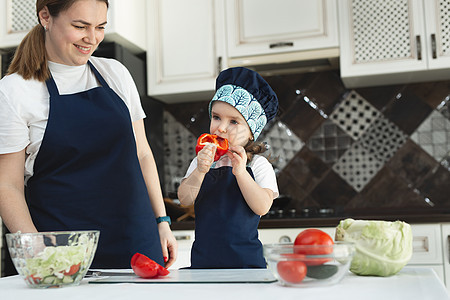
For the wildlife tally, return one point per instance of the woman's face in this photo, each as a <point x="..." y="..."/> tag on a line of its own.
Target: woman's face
<point x="74" y="34"/>
<point x="227" y="122"/>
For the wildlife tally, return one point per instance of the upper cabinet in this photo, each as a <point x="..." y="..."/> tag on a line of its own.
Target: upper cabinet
<point x="17" y="17"/>
<point x="259" y="27"/>
<point x="185" y="48"/>
<point x="393" y="41"/>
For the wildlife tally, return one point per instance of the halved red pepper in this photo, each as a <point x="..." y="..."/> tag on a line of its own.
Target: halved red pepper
<point x="147" y="268"/>
<point x="206" y="138"/>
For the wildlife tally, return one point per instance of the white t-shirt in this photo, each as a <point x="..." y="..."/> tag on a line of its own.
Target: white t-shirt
<point x="262" y="170"/>
<point x="24" y="104"/>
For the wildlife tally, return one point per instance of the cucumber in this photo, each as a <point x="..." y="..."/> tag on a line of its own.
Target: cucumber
<point x="67" y="279"/>
<point x="322" y="271"/>
<point x="49" y="279"/>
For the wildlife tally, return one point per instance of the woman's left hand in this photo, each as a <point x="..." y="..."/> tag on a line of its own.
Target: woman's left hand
<point x="238" y="158"/>
<point x="169" y="244"/>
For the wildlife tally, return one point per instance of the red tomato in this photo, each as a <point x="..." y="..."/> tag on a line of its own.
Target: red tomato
<point x="34" y="279"/>
<point x="314" y="237"/>
<point x="147" y="268"/>
<point x="73" y="269"/>
<point x="292" y="271"/>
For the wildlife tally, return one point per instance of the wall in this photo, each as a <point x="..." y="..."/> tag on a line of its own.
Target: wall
<point x="369" y="151"/>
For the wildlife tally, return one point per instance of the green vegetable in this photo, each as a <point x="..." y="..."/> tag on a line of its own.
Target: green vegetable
<point x="322" y="271"/>
<point x="382" y="248"/>
<point x="56" y="265"/>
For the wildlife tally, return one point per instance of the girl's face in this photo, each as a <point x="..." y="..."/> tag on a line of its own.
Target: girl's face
<point x="74" y="34"/>
<point x="227" y="122"/>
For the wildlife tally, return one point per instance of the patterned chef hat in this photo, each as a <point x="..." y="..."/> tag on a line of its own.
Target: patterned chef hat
<point x="250" y="94"/>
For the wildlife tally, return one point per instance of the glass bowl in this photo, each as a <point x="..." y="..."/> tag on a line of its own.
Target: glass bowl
<point x="309" y="265"/>
<point x="52" y="259"/>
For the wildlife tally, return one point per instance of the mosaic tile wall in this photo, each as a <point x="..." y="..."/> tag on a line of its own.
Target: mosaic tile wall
<point x="379" y="150"/>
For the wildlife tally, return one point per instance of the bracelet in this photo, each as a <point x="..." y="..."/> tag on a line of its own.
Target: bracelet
<point x="163" y="219"/>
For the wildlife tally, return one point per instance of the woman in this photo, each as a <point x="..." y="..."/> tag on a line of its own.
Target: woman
<point x="74" y="123"/>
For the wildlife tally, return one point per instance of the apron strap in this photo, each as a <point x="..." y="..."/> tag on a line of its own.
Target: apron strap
<point x="97" y="75"/>
<point x="51" y="86"/>
<point x="53" y="89"/>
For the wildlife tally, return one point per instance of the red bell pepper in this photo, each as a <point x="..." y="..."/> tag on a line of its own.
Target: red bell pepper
<point x="147" y="268"/>
<point x="221" y="143"/>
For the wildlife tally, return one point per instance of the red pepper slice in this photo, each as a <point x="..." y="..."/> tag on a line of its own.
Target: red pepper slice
<point x="206" y="138"/>
<point x="147" y="268"/>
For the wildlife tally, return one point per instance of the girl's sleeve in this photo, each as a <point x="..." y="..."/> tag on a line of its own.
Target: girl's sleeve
<point x="191" y="168"/>
<point x="264" y="174"/>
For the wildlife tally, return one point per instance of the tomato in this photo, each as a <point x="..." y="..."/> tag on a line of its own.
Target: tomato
<point x="310" y="237"/>
<point x="73" y="269"/>
<point x="147" y="268"/>
<point x="34" y="279"/>
<point x="292" y="271"/>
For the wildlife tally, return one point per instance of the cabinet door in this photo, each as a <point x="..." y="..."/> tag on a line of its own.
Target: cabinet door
<point x="380" y="37"/>
<point x="256" y="27"/>
<point x="437" y="39"/>
<point x="185" y="239"/>
<point x="183" y="54"/>
<point x="17" y="17"/>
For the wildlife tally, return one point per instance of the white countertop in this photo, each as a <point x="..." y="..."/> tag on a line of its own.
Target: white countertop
<point x="410" y="283"/>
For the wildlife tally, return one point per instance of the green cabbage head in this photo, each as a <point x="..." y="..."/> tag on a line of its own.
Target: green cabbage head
<point x="382" y="248"/>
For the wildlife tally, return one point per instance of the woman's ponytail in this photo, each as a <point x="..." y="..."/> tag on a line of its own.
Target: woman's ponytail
<point x="30" y="59"/>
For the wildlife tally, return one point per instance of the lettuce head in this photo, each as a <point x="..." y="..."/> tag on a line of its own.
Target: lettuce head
<point x="382" y="248"/>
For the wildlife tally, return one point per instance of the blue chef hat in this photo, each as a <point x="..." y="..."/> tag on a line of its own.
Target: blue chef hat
<point x="250" y="94"/>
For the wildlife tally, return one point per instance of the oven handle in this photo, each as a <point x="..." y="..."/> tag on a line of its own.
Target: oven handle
<point x="448" y="243"/>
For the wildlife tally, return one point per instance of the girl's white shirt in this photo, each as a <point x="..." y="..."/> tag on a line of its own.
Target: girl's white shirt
<point x="262" y="171"/>
<point x="24" y="104"/>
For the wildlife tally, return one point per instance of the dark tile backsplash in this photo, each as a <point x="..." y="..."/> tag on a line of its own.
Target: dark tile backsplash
<point x="381" y="150"/>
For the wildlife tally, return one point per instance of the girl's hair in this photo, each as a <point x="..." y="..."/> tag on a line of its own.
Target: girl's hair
<point x="30" y="58"/>
<point x="253" y="148"/>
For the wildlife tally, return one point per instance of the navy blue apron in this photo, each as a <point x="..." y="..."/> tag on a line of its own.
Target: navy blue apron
<point x="226" y="229"/>
<point x="87" y="176"/>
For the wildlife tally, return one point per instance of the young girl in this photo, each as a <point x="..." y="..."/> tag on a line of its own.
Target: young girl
<point x="231" y="194"/>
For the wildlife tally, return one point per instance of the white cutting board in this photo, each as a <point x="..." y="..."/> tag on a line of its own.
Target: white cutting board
<point x="197" y="276"/>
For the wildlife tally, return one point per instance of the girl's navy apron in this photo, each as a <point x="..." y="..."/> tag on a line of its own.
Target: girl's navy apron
<point x="87" y="176"/>
<point x="226" y="229"/>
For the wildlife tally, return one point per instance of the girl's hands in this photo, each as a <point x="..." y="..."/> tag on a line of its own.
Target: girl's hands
<point x="205" y="158"/>
<point x="238" y="158"/>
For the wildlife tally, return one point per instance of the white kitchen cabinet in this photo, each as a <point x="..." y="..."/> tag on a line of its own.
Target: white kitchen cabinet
<point x="260" y="27"/>
<point x="393" y="41"/>
<point x="185" y="49"/>
<point x="427" y="248"/>
<point x="17" y="17"/>
<point x="446" y="252"/>
<point x="124" y="26"/>
<point x="185" y="239"/>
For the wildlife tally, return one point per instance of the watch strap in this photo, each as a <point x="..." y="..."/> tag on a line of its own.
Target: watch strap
<point x="163" y="219"/>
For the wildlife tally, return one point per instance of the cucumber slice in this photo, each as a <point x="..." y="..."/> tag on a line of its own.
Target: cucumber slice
<point x="49" y="279"/>
<point x="322" y="271"/>
<point x="67" y="279"/>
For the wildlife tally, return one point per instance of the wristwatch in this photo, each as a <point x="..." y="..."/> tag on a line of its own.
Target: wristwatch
<point x="163" y="219"/>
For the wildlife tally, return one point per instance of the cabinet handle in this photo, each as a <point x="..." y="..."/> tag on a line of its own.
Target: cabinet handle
<point x="448" y="243"/>
<point x="418" y="47"/>
<point x="433" y="46"/>
<point x="219" y="65"/>
<point x="281" y="44"/>
<point x="182" y="237"/>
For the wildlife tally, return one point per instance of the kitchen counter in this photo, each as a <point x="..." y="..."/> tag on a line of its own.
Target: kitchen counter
<point x="410" y="283"/>
<point x="266" y="223"/>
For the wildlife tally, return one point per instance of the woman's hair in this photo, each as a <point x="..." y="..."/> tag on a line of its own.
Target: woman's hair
<point x="30" y="58"/>
<point x="253" y="148"/>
